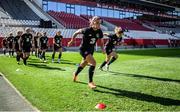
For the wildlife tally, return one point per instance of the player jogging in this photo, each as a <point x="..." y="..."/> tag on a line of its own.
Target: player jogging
<point x="26" y="44"/>
<point x="57" y="46"/>
<point x="16" y="46"/>
<point x="90" y="37"/>
<point x="111" y="55"/>
<point x="43" y="46"/>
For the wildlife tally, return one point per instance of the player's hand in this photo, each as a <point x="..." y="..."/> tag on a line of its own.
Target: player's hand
<point x="56" y="44"/>
<point x="70" y="43"/>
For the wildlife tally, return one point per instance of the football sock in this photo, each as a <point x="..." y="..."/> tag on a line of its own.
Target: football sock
<point x="53" y="55"/>
<point x="103" y="64"/>
<point x="79" y="69"/>
<point x="91" y="73"/>
<point x="59" y="55"/>
<point x="112" y="60"/>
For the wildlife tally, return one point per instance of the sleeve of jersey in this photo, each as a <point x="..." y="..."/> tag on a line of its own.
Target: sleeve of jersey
<point x="83" y="31"/>
<point x="22" y="36"/>
<point x="110" y="36"/>
<point x="100" y="34"/>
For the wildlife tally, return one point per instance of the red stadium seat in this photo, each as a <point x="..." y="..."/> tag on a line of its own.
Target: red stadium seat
<point x="69" y="20"/>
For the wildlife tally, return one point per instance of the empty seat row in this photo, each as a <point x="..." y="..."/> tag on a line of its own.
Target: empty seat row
<point x="70" y="21"/>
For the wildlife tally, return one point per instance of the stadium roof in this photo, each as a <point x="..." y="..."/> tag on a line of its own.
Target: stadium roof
<point x="175" y="3"/>
<point x="168" y="3"/>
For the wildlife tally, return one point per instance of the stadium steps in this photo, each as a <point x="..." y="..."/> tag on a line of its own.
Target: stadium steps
<point x="4" y="14"/>
<point x="68" y="20"/>
<point x="51" y="18"/>
<point x="41" y="13"/>
<point x="35" y="10"/>
<point x="17" y="9"/>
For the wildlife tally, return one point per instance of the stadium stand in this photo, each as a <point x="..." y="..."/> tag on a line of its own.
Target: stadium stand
<point x="75" y="22"/>
<point x="18" y="9"/>
<point x="124" y="23"/>
<point x="16" y="15"/>
<point x="3" y="14"/>
<point x="69" y="20"/>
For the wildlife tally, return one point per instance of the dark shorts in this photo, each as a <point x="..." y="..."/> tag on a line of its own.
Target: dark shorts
<point x="10" y="45"/>
<point x="17" y="48"/>
<point x="85" y="52"/>
<point x="26" y="48"/>
<point x="109" y="50"/>
<point x="36" y="46"/>
<point x="56" y="48"/>
<point x="44" y="47"/>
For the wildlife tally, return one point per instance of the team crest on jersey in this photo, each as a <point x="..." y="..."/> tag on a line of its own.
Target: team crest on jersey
<point x="97" y="35"/>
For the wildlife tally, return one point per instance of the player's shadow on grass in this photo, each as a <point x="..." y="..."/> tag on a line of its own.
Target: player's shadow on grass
<point x="37" y="62"/>
<point x="145" y="77"/>
<point x="63" y="61"/>
<point x="43" y="66"/>
<point x="68" y="62"/>
<point x="136" y="95"/>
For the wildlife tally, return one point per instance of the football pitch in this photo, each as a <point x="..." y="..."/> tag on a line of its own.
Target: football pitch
<point x="140" y="80"/>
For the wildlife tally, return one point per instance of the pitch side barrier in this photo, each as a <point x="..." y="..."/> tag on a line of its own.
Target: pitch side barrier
<point x="144" y="43"/>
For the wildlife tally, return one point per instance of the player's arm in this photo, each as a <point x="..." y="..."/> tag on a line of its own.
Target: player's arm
<point x="40" y="42"/>
<point x="126" y="35"/>
<point x="102" y="45"/>
<point x="20" y="43"/>
<point x="54" y="42"/>
<point x="106" y="34"/>
<point x="123" y="42"/>
<point x="102" y="42"/>
<point x="74" y="36"/>
<point x="13" y="43"/>
<point x="33" y="41"/>
<point x="61" y="41"/>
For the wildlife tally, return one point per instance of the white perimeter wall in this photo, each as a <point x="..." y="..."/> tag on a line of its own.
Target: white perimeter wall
<point x="38" y="2"/>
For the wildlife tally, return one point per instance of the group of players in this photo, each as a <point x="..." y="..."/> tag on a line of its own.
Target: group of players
<point x="89" y="39"/>
<point x="24" y="43"/>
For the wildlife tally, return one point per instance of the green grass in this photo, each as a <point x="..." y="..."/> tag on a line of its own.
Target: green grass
<point x="140" y="80"/>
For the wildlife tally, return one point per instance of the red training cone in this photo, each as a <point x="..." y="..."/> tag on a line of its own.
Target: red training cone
<point x="100" y="106"/>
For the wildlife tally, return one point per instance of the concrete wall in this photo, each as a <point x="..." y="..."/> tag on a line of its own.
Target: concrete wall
<point x="38" y="2"/>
